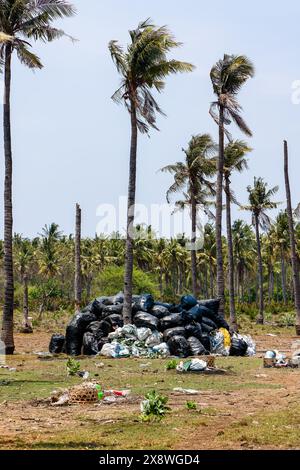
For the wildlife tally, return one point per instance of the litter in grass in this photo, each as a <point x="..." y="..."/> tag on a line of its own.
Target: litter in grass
<point x="88" y="392"/>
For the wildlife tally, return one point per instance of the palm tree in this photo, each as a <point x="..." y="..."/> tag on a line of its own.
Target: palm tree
<point x="24" y="254"/>
<point x="295" y="261"/>
<point x="228" y="75"/>
<point x="243" y="250"/>
<point x="143" y="67"/>
<point x="78" y="280"/>
<point x="260" y="199"/>
<point x="281" y="233"/>
<point x="22" y="21"/>
<point x="234" y="160"/>
<point x="191" y="177"/>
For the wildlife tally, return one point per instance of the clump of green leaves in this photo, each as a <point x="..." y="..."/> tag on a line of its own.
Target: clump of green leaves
<point x="287" y="319"/>
<point x="72" y="366"/>
<point x="154" y="407"/>
<point x="171" y="364"/>
<point x="191" y="405"/>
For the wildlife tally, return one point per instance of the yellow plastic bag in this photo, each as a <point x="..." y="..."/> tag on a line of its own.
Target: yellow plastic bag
<point x="227" y="338"/>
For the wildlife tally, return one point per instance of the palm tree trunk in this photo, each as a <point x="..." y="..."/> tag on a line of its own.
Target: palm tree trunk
<point x="78" y="280"/>
<point x="260" y="318"/>
<point x="7" y="334"/>
<point x="211" y="279"/>
<point x="283" y="275"/>
<point x="127" y="309"/>
<point x="205" y="282"/>
<point x="233" y="321"/>
<point x="27" y="325"/>
<point x="295" y="265"/>
<point x="219" y="207"/>
<point x="193" y="250"/>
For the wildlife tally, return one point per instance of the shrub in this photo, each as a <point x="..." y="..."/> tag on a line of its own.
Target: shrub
<point x="111" y="280"/>
<point x="72" y="366"/>
<point x="171" y="364"/>
<point x="154" y="407"/>
<point x="191" y="405"/>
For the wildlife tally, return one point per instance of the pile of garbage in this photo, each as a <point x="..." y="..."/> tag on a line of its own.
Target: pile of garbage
<point x="277" y="359"/>
<point x="88" y="392"/>
<point x="191" y="328"/>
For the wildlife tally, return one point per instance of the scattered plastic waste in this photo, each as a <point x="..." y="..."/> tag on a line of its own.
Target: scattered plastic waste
<point x="88" y="392"/>
<point x="187" y="391"/>
<point x="10" y="369"/>
<point x="192" y="365"/>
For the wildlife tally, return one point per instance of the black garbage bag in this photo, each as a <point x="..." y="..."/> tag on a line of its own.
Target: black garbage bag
<point x="211" y="304"/>
<point x="106" y="327"/>
<point x="89" y="344"/>
<point x="110" y="309"/>
<point x="115" y="320"/>
<point x="171" y="321"/>
<point x="88" y="308"/>
<point x="209" y="322"/>
<point x="179" y="346"/>
<point x="195" y="313"/>
<point x="205" y="340"/>
<point x="194" y="329"/>
<point x="118" y="298"/>
<point x="177" y="331"/>
<point x="146" y="320"/>
<point x="164" y="304"/>
<point x="99" y="304"/>
<point x="75" y="331"/>
<point x="144" y="303"/>
<point x="102" y="342"/>
<point x="238" y="347"/>
<point x="159" y="311"/>
<point x="188" y="301"/>
<point x="206" y="329"/>
<point x="57" y="343"/>
<point x="196" y="347"/>
<point x="95" y="329"/>
<point x="215" y="317"/>
<point x="175" y="308"/>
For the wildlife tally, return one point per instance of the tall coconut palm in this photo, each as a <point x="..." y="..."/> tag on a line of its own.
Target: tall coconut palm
<point x="191" y="177"/>
<point x="244" y="250"/>
<point x="228" y="75"/>
<point x="24" y="257"/>
<point x="78" y="273"/>
<point x="23" y="21"/>
<point x="260" y="200"/>
<point x="294" y="260"/>
<point x="143" y="68"/>
<point x="282" y="243"/>
<point x="234" y="160"/>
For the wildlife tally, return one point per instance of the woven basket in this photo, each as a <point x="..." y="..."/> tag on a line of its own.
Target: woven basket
<point x="209" y="359"/>
<point x="85" y="393"/>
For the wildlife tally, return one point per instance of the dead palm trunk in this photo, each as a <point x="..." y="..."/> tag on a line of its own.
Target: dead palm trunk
<point x="283" y="275"/>
<point x="127" y="309"/>
<point x="78" y="279"/>
<point x="295" y="265"/>
<point x="260" y="318"/>
<point x="193" y="248"/>
<point x="233" y="321"/>
<point x="219" y="207"/>
<point x="7" y="333"/>
<point x="26" y="322"/>
<point x="211" y="279"/>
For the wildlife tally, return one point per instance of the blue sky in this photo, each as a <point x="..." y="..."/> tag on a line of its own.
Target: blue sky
<point x="71" y="142"/>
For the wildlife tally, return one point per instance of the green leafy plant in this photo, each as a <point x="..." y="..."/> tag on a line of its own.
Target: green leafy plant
<point x="72" y="366"/>
<point x="191" y="405"/>
<point x="154" y="407"/>
<point x="287" y="319"/>
<point x="171" y="364"/>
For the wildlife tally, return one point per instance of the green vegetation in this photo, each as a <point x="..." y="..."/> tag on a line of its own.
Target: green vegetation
<point x="154" y="407"/>
<point x="191" y="405"/>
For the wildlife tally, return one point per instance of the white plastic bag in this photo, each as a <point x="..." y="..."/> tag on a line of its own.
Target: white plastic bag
<point x="154" y="339"/>
<point x="143" y="333"/>
<point x="162" y="349"/>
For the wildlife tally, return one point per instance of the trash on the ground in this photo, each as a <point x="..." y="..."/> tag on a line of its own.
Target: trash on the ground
<point x="88" y="392"/>
<point x="187" y="391"/>
<point x="84" y="374"/>
<point x="195" y="365"/>
<point x="274" y="358"/>
<point x="270" y="334"/>
<point x="100" y="365"/>
<point x="191" y="328"/>
<point x="10" y="369"/>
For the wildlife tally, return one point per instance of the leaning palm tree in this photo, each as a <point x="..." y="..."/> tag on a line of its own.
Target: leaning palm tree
<point x="143" y="67"/>
<point x="282" y="243"/>
<point x="192" y="177"/>
<point x="294" y="260"/>
<point x="227" y="76"/>
<point x="234" y="160"/>
<point x="22" y="21"/>
<point x="260" y="200"/>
